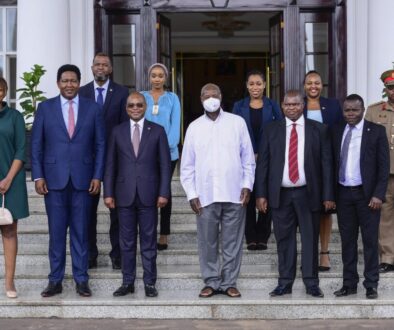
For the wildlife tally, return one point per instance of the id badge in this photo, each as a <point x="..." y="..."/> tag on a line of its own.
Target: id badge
<point x="155" y="109"/>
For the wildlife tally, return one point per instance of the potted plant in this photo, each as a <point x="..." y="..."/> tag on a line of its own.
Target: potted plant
<point x="28" y="99"/>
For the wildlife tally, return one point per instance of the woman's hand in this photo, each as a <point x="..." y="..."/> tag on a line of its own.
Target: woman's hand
<point x="5" y="184"/>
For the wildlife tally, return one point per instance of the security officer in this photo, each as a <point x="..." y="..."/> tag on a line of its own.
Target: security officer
<point x="383" y="113"/>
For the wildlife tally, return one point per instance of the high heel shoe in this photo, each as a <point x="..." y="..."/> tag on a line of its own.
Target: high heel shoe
<point x="11" y="294"/>
<point x="162" y="244"/>
<point x="325" y="268"/>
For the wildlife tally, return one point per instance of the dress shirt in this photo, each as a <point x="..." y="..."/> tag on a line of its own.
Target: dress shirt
<point x="352" y="172"/>
<point x="140" y="124"/>
<point x="217" y="159"/>
<point x="65" y="106"/>
<point x="104" y="92"/>
<point x="300" y="127"/>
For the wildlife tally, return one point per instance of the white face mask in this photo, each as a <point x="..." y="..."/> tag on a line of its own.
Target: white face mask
<point x="211" y="105"/>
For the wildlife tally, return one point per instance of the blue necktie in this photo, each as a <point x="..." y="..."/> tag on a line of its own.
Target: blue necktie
<point x="344" y="155"/>
<point x="100" y="97"/>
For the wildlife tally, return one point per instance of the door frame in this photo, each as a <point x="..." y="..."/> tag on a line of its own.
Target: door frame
<point x="149" y="9"/>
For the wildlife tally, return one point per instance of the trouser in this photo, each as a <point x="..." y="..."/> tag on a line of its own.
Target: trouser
<point x="229" y="219"/>
<point x="386" y="227"/>
<point x="165" y="212"/>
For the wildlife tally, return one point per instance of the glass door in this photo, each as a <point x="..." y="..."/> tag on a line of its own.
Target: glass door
<point x="275" y="74"/>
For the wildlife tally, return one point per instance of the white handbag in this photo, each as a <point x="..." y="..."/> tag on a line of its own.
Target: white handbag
<point x="5" y="215"/>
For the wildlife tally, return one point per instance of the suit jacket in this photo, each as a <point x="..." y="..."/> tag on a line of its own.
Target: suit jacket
<point x="374" y="158"/>
<point x="331" y="111"/>
<point x="114" y="107"/>
<point x="148" y="174"/>
<point x="56" y="157"/>
<point x="317" y="163"/>
<point x="271" y="111"/>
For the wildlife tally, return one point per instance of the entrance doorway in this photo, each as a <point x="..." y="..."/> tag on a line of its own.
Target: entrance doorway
<point x="220" y="48"/>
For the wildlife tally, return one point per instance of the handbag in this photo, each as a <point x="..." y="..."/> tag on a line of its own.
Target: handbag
<point x="5" y="215"/>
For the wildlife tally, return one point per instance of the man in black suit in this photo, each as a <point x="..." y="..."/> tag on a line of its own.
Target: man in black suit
<point x="137" y="181"/>
<point x="361" y="156"/>
<point x="294" y="176"/>
<point x="112" y="99"/>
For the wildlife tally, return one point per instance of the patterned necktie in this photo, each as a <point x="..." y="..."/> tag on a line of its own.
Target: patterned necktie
<point x="136" y="139"/>
<point x="100" y="97"/>
<point x="293" y="156"/>
<point x="71" y="119"/>
<point x="345" y="154"/>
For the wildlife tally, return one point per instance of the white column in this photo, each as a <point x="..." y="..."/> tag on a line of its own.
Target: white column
<point x="380" y="45"/>
<point x="43" y="38"/>
<point x="82" y="36"/>
<point x="357" y="45"/>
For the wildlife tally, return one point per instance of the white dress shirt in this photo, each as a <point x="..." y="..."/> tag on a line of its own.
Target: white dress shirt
<point x="352" y="172"/>
<point x="104" y="92"/>
<point x="66" y="105"/>
<point x="140" y="124"/>
<point x="300" y="127"/>
<point x="217" y="159"/>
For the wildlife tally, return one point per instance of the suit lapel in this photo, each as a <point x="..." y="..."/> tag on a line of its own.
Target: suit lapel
<point x="307" y="141"/>
<point x="108" y="97"/>
<point x="145" y="136"/>
<point x="91" y="91"/>
<point x="364" y="140"/>
<point x="281" y="142"/>
<point x="338" y="142"/>
<point x="128" y="144"/>
<point x="82" y="111"/>
<point x="59" y="114"/>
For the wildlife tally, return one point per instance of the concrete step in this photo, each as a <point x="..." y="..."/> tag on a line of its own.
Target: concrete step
<point x="184" y="304"/>
<point x="178" y="254"/>
<point x="182" y="277"/>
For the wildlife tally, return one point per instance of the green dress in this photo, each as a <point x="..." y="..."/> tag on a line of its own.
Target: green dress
<point x="12" y="146"/>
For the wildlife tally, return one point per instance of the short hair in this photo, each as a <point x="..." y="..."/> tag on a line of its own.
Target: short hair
<point x="210" y="86"/>
<point x="102" y="54"/>
<point x="135" y="93"/>
<point x="310" y="73"/>
<point x="255" y="72"/>
<point x="3" y="83"/>
<point x="68" y="67"/>
<point x="355" y="97"/>
<point x="293" y="93"/>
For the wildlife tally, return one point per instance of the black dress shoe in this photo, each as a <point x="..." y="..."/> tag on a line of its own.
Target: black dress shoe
<point x="372" y="293"/>
<point x="123" y="290"/>
<point x="252" y="246"/>
<point x="116" y="263"/>
<point x="261" y="246"/>
<point x="385" y="268"/>
<point x="281" y="290"/>
<point x="52" y="289"/>
<point x="162" y="247"/>
<point x="345" y="291"/>
<point x="150" y="291"/>
<point x="92" y="263"/>
<point x="315" y="291"/>
<point x="83" y="289"/>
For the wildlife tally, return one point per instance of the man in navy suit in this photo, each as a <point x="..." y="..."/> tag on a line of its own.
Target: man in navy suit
<point x="137" y="181"/>
<point x="294" y="176"/>
<point x="361" y="157"/>
<point x="111" y="97"/>
<point x="68" y="147"/>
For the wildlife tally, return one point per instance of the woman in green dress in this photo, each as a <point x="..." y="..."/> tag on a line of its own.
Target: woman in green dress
<point x="12" y="182"/>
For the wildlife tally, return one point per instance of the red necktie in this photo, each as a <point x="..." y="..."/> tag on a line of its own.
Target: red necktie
<point x="293" y="157"/>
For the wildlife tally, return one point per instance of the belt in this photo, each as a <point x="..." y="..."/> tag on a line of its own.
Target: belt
<point x="293" y="188"/>
<point x="351" y="188"/>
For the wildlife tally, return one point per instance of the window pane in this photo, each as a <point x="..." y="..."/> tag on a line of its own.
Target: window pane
<point x="11" y="29"/>
<point x="316" y="37"/>
<point x="1" y="67"/>
<point x="124" y="70"/>
<point x="123" y="39"/>
<point x="1" y="30"/>
<point x="318" y="63"/>
<point x="11" y="74"/>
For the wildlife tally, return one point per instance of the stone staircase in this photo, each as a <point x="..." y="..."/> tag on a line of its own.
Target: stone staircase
<point x="179" y="280"/>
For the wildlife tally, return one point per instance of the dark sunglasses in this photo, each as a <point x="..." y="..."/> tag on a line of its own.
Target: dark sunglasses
<point x="390" y="87"/>
<point x="138" y="105"/>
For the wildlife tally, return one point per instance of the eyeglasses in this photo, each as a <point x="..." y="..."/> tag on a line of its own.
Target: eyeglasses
<point x="390" y="87"/>
<point x="291" y="105"/>
<point x="138" y="105"/>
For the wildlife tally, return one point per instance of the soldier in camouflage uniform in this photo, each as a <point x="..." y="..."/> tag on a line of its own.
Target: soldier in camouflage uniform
<point x="383" y="113"/>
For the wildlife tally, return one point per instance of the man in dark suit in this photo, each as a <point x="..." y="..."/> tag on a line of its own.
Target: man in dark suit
<point x="361" y="156"/>
<point x="294" y="176"/>
<point x="111" y="97"/>
<point x="137" y="181"/>
<point x="68" y="147"/>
